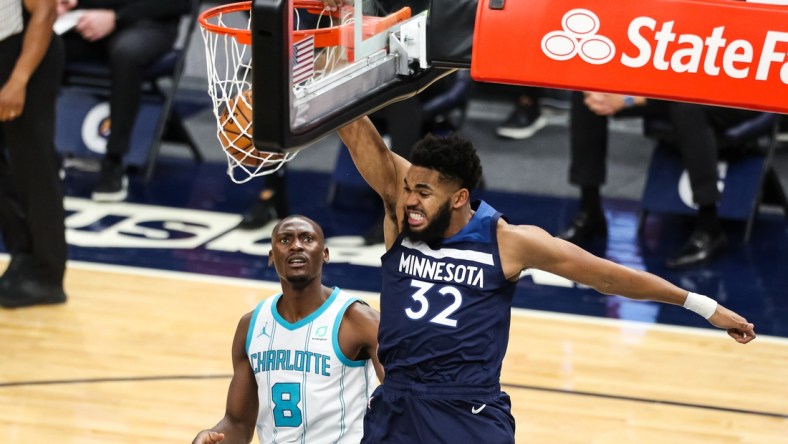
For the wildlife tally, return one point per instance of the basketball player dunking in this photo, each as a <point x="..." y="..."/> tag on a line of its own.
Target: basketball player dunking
<point x="448" y="279"/>
<point x="303" y="360"/>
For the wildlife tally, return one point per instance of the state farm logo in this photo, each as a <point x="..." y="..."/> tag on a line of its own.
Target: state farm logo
<point x="669" y="46"/>
<point x="578" y="36"/>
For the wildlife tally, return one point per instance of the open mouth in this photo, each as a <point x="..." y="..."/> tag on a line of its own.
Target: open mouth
<point x="296" y="261"/>
<point x="415" y="218"/>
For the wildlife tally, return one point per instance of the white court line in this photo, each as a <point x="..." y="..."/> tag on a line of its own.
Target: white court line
<point x="624" y="323"/>
<point x="520" y="312"/>
<point x="183" y="275"/>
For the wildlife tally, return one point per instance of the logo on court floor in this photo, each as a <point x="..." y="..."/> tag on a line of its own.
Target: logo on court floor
<point x="579" y="36"/>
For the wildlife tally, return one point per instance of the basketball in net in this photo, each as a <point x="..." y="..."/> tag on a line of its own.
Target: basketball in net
<point x="236" y="136"/>
<point x="317" y="53"/>
<point x="235" y="130"/>
<point x="225" y="30"/>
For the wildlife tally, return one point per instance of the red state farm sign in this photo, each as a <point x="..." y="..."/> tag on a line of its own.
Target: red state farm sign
<point x="720" y="52"/>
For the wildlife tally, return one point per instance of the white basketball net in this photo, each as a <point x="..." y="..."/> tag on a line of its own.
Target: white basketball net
<point x="230" y="84"/>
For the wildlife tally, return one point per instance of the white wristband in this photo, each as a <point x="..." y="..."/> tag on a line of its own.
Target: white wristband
<point x="702" y="305"/>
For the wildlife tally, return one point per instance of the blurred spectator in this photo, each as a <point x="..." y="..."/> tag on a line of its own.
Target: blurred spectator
<point x="271" y="203"/>
<point x="32" y="218"/>
<point x="128" y="35"/>
<point x="526" y="117"/>
<point x="697" y="128"/>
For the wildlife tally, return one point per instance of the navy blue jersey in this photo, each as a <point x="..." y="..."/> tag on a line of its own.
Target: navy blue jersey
<point x="445" y="309"/>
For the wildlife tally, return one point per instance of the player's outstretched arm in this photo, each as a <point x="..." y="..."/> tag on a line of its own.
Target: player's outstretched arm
<point x="240" y="415"/>
<point x="382" y="169"/>
<point x="531" y="247"/>
<point x="737" y="327"/>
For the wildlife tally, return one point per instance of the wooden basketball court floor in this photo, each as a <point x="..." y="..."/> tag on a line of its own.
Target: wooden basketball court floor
<point x="139" y="355"/>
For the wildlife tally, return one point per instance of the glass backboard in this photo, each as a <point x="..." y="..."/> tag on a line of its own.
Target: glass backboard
<point x="314" y="70"/>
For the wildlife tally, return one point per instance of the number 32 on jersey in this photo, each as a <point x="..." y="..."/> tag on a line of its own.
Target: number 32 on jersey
<point x="426" y="290"/>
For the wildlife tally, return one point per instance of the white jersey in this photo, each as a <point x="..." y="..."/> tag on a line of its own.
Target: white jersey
<point x="309" y="391"/>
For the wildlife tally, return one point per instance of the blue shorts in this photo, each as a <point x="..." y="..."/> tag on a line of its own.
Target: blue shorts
<point x="397" y="414"/>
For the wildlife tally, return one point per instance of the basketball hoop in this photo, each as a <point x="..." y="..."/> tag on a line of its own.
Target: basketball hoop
<point x="227" y="36"/>
<point x="320" y="56"/>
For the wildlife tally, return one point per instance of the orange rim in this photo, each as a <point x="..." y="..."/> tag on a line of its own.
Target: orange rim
<point x="244" y="36"/>
<point x="324" y="37"/>
<point x="333" y="36"/>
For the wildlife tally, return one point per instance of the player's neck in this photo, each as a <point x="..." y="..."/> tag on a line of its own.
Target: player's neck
<point x="460" y="218"/>
<point x="297" y="303"/>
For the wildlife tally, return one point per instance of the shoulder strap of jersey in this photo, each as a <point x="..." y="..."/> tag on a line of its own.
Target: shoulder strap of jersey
<point x="255" y="315"/>
<point x="346" y="300"/>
